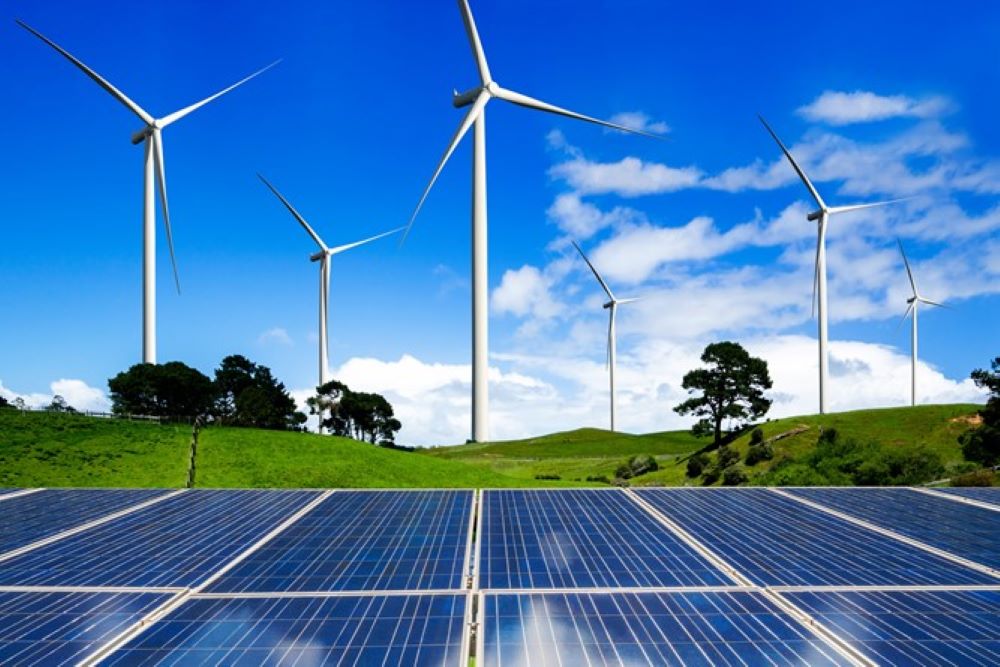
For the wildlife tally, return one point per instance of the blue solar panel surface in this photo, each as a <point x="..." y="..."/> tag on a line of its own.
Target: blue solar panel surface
<point x="364" y="540"/>
<point x="64" y="628"/>
<point x="176" y="542"/>
<point x="958" y="528"/>
<point x="647" y="628"/>
<point x="912" y="627"/>
<point x="582" y="538"/>
<point x="988" y="494"/>
<point x="352" y="630"/>
<point x="775" y="540"/>
<point x="27" y="519"/>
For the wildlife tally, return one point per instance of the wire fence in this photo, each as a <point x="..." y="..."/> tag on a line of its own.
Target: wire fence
<point x="156" y="419"/>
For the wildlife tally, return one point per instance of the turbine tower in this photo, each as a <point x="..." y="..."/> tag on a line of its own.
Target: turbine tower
<point x="822" y="217"/>
<point x="478" y="98"/>
<point x="612" y="307"/>
<point x="153" y="171"/>
<point x="323" y="257"/>
<point x="912" y="304"/>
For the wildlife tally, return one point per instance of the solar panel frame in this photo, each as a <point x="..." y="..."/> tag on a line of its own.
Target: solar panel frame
<point x="651" y="632"/>
<point x="643" y="554"/>
<point x="982" y="494"/>
<point x="74" y="625"/>
<point x="27" y="519"/>
<point x="181" y="625"/>
<point x="764" y="529"/>
<point x="324" y="550"/>
<point x="163" y="545"/>
<point x="931" y="627"/>
<point x="962" y="529"/>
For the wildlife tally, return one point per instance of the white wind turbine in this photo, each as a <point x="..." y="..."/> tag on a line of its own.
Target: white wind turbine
<point x="612" y="308"/>
<point x="478" y="97"/>
<point x="821" y="217"/>
<point x="912" y="304"/>
<point x="323" y="257"/>
<point x="153" y="170"/>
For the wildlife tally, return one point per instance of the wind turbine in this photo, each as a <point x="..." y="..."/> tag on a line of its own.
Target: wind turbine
<point x="323" y="257"/>
<point x="612" y="307"/>
<point x="912" y="304"/>
<point x="821" y="217"/>
<point x="478" y="97"/>
<point x="153" y="170"/>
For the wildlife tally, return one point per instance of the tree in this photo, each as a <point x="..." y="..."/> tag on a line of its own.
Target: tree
<point x="982" y="444"/>
<point x="355" y="414"/>
<point x="172" y="389"/>
<point x="4" y="403"/>
<point x="248" y="394"/>
<point x="59" y="404"/>
<point x="732" y="387"/>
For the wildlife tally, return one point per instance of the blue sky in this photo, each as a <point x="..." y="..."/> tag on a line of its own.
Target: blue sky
<point x="876" y="100"/>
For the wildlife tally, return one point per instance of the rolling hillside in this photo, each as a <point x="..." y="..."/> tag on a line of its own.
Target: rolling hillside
<point x="42" y="449"/>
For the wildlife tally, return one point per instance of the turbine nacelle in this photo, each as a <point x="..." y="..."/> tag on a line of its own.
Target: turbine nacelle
<point x="460" y="100"/>
<point x="317" y="256"/>
<point x="815" y="215"/>
<point x="141" y="135"/>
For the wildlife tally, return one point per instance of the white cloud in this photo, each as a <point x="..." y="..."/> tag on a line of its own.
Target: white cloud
<point x="581" y="220"/>
<point x="275" y="336"/>
<point x="639" y="120"/>
<point x="77" y="393"/>
<point x="842" y="108"/>
<point x="629" y="177"/>
<point x="525" y="291"/>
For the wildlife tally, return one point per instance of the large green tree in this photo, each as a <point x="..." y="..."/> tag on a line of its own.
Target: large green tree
<point x="355" y="414"/>
<point x="248" y="394"/>
<point x="173" y="389"/>
<point x="730" y="388"/>
<point x="982" y="444"/>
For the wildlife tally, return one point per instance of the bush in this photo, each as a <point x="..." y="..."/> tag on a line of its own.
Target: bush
<point x="734" y="475"/>
<point x="547" y="476"/>
<point x="758" y="453"/>
<point x="976" y="478"/>
<point x="639" y="464"/>
<point x="599" y="478"/>
<point x="726" y="456"/>
<point x="756" y="437"/>
<point x="696" y="465"/>
<point x="623" y="471"/>
<point x="711" y="476"/>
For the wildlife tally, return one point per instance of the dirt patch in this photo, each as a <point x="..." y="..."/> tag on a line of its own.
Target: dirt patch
<point x="971" y="420"/>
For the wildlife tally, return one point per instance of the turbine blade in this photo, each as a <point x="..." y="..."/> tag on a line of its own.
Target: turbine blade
<point x="470" y="118"/>
<point x="632" y="300"/>
<point x="291" y="209"/>
<point x="532" y="103"/>
<point x="177" y="115"/>
<point x="97" y="78"/>
<point x="161" y="180"/>
<point x="477" y="46"/>
<point x="909" y="307"/>
<point x="933" y="303"/>
<point x="795" y="165"/>
<point x="597" y="275"/>
<point x="909" y="273"/>
<point x="858" y="207"/>
<point x="342" y="248"/>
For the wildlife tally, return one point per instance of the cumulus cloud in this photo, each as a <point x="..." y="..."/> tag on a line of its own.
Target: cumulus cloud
<point x="525" y="291"/>
<point x="77" y="393"/>
<point x="275" y="336"/>
<point x="843" y="108"/>
<point x="639" y="120"/>
<point x="581" y="220"/>
<point x="629" y="177"/>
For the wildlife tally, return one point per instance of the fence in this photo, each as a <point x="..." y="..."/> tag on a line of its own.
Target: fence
<point x="110" y="415"/>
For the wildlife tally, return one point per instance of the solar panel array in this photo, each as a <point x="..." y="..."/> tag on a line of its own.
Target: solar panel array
<point x="990" y="494"/>
<point x="532" y="577"/>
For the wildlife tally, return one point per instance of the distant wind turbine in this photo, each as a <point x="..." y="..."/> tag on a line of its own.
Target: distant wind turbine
<point x="822" y="217"/>
<point x="912" y="304"/>
<point x="323" y="257"/>
<point x="478" y="97"/>
<point x="153" y="170"/>
<point x="612" y="308"/>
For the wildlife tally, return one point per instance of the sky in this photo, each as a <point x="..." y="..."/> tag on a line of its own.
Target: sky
<point x="708" y="225"/>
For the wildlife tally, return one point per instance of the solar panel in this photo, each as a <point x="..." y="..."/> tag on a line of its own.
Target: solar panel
<point x="958" y="528"/>
<point x="27" y="519"/>
<point x="582" y="538"/>
<point x="364" y="540"/>
<point x="177" y="542"/>
<point x="984" y="494"/>
<point x="63" y="628"/>
<point x="342" y="630"/>
<point x="645" y="628"/>
<point x="912" y="627"/>
<point x="775" y="540"/>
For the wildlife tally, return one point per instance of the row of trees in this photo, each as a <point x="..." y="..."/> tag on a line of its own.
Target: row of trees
<point x="354" y="414"/>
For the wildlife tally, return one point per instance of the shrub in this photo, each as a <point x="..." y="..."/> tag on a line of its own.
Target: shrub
<point x="758" y="453"/>
<point x="547" y="476"/>
<point x="726" y="456"/>
<point x="711" y="476"/>
<point x="976" y="478"/>
<point x="734" y="475"/>
<point x="643" y="463"/>
<point x="624" y="471"/>
<point x="599" y="478"/>
<point x="756" y="437"/>
<point x="696" y="465"/>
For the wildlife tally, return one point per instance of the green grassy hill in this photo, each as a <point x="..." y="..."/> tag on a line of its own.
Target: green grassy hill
<point x="42" y="449"/>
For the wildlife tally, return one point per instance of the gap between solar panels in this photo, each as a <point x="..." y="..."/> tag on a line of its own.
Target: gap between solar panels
<point x="979" y="567"/>
<point x="957" y="498"/>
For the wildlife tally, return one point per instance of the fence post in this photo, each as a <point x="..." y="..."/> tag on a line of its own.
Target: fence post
<point x="194" y="452"/>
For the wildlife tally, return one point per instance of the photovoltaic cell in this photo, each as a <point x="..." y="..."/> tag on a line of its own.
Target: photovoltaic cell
<point x="350" y="630"/>
<point x="958" y="528"/>
<point x="645" y="628"/>
<point x="775" y="540"/>
<point x="27" y="519"/>
<point x="986" y="494"/>
<point x="177" y="542"/>
<point x="64" y="628"/>
<point x="582" y="538"/>
<point x="912" y="627"/>
<point x="364" y="540"/>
